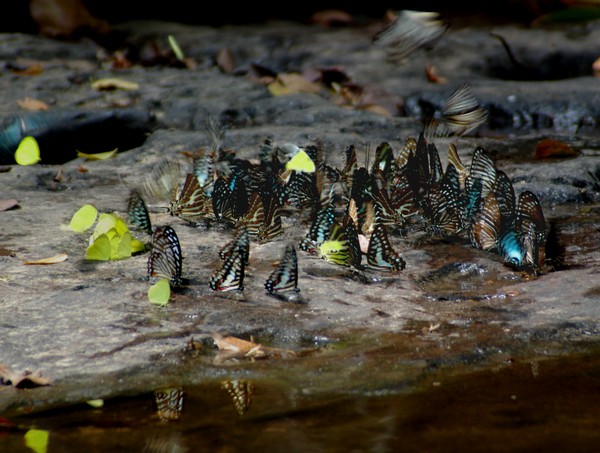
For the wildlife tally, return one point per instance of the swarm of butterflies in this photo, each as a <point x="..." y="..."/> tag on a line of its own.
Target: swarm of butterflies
<point x="350" y="212"/>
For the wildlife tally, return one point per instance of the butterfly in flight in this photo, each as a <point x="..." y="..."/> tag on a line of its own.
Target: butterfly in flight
<point x="380" y="253"/>
<point x="137" y="211"/>
<point x="285" y="277"/>
<point x="165" y="258"/>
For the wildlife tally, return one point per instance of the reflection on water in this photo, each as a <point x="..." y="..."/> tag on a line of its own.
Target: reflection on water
<point x="539" y="405"/>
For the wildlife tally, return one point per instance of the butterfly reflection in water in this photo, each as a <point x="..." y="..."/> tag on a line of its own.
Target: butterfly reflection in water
<point x="241" y="392"/>
<point x="165" y="259"/>
<point x="169" y="403"/>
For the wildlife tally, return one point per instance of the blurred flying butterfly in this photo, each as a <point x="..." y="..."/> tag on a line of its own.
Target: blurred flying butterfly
<point x="230" y="276"/>
<point x="319" y="230"/>
<point x="335" y="249"/>
<point x="241" y="392"/>
<point x="241" y="241"/>
<point x="381" y="254"/>
<point x="461" y="114"/>
<point x="191" y="202"/>
<point x="409" y="33"/>
<point x="169" y="403"/>
<point x="165" y="259"/>
<point x="285" y="277"/>
<point x="138" y="212"/>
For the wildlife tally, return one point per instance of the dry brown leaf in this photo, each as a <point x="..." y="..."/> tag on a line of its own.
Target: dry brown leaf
<point x="596" y="68"/>
<point x="7" y="204"/>
<point x="233" y="349"/>
<point x="433" y="76"/>
<point x="374" y="108"/>
<point x="25" y="379"/>
<point x="553" y="148"/>
<point x="82" y="169"/>
<point x="50" y="260"/>
<point x="32" y="104"/>
<point x="292" y="83"/>
<point x="331" y="17"/>
<point x="113" y="83"/>
<point x="225" y="60"/>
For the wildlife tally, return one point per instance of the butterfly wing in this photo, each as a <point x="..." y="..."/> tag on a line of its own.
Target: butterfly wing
<point x="165" y="259"/>
<point x="380" y="253"/>
<point x="230" y="276"/>
<point x="137" y="211"/>
<point x="285" y="277"/>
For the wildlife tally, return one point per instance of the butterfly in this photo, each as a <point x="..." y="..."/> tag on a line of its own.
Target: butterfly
<point x="351" y="232"/>
<point x="169" y="403"/>
<point x="480" y="181"/>
<point x="486" y="228"/>
<point x="380" y="253"/>
<point x="165" y="259"/>
<point x="462" y="113"/>
<point x="442" y="207"/>
<point x="241" y="241"/>
<point x="255" y="217"/>
<point x="241" y="392"/>
<point x="230" y="276"/>
<point x="191" y="203"/>
<point x="319" y="230"/>
<point x="272" y="226"/>
<point x="530" y="225"/>
<point x="301" y="190"/>
<point x="285" y="277"/>
<point x="410" y="32"/>
<point x="335" y="249"/>
<point x="384" y="212"/>
<point x="138" y="212"/>
<point x="229" y="199"/>
<point x="384" y="161"/>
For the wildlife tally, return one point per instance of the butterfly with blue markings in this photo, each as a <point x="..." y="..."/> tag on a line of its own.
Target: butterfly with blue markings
<point x="230" y="276"/>
<point x="137" y="210"/>
<point x="165" y="259"/>
<point x="319" y="230"/>
<point x="285" y="277"/>
<point x="381" y="254"/>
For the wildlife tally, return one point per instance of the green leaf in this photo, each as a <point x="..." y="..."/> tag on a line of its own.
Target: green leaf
<point x="99" y="249"/>
<point x="301" y="162"/>
<point x="37" y="440"/>
<point x="160" y="292"/>
<point x="28" y="151"/>
<point x="83" y="219"/>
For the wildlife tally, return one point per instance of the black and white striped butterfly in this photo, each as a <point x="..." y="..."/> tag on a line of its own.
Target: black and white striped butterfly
<point x="381" y="254"/>
<point x="240" y="241"/>
<point x="137" y="211"/>
<point x="165" y="259"/>
<point x="285" y="277"/>
<point x="230" y="276"/>
<point x="169" y="403"/>
<point x="319" y="230"/>
<point x="241" y="392"/>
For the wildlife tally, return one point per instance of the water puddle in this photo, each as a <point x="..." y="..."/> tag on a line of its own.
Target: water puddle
<point x="520" y="405"/>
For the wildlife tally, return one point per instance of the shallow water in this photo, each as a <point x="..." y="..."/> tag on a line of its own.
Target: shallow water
<point x="545" y="404"/>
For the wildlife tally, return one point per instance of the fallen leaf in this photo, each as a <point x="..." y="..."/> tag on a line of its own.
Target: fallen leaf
<point x="596" y="68"/>
<point x="433" y="76"/>
<point x="7" y="204"/>
<point x="32" y="69"/>
<point x="98" y="156"/>
<point x="331" y="17"/>
<point x="50" y="260"/>
<point x="82" y="169"/>
<point x="37" y="440"/>
<point x="113" y="83"/>
<point x="553" y="148"/>
<point x="26" y="379"/>
<point x="232" y="348"/>
<point x="225" y="60"/>
<point x="292" y="83"/>
<point x="28" y="103"/>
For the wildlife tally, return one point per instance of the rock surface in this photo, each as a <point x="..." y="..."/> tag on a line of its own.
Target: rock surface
<point x="84" y="323"/>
